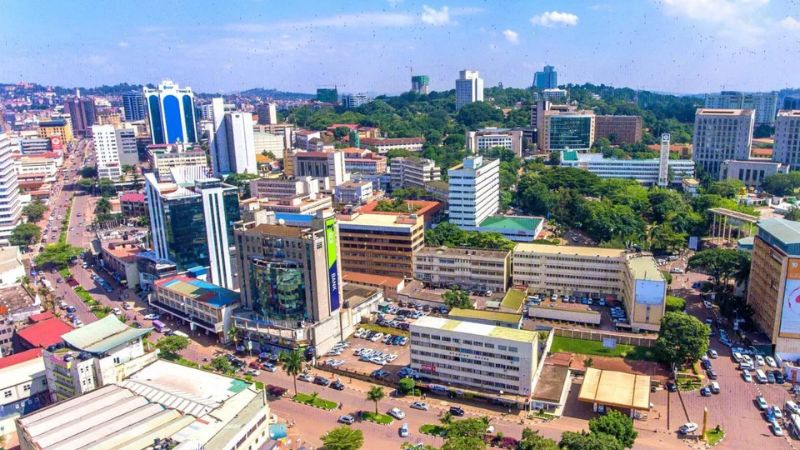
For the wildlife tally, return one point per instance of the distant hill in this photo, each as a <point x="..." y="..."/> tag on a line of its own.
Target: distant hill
<point x="276" y="94"/>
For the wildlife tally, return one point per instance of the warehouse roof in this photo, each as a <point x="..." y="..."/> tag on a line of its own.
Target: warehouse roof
<point x="103" y="335"/>
<point x="474" y="328"/>
<point x="480" y="314"/>
<point x="570" y="250"/>
<point x="44" y="333"/>
<point x="199" y="290"/>
<point x="786" y="231"/>
<point x="608" y="387"/>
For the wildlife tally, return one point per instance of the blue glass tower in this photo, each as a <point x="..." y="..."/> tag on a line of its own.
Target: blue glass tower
<point x="170" y="111"/>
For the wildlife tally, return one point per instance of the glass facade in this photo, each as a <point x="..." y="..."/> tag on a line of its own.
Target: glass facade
<point x="184" y="226"/>
<point x="172" y="115"/>
<point x="279" y="290"/>
<point x="570" y="133"/>
<point x="188" y="117"/>
<point x="155" y="119"/>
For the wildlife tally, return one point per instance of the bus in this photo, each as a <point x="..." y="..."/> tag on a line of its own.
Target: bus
<point x="159" y="326"/>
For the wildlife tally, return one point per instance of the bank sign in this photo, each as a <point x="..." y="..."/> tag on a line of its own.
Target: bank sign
<point x="333" y="269"/>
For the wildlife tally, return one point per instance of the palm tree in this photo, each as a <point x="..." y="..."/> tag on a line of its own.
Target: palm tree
<point x="292" y="364"/>
<point x="233" y="335"/>
<point x="375" y="394"/>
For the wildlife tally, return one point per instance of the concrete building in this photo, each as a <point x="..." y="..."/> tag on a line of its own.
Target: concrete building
<point x="380" y="244"/>
<point x="10" y="203"/>
<point x="566" y="130"/>
<point x="419" y="84"/>
<point x="354" y="192"/>
<point x="166" y="158"/>
<point x="618" y="129"/>
<point x="787" y="138"/>
<point x="474" y="191"/>
<point x="24" y="387"/>
<point x="774" y="284"/>
<point x="555" y="95"/>
<point x="192" y="225"/>
<point x="303" y="139"/>
<point x="82" y="114"/>
<point x="232" y="144"/>
<point x="267" y="113"/>
<point x="489" y="138"/>
<point x="383" y="145"/>
<point x="513" y="228"/>
<point x="645" y="171"/>
<point x="152" y="268"/>
<point x="11" y="267"/>
<point x="101" y="353"/>
<point x="765" y="104"/>
<point x="283" y="188"/>
<point x="205" y="307"/>
<point x="327" y="167"/>
<point x="133" y="204"/>
<point x="546" y="79"/>
<point x="271" y="142"/>
<point x="364" y="162"/>
<point x="469" y="88"/>
<point x="720" y="135"/>
<point x="171" y="113"/>
<point x="163" y="404"/>
<point x="353" y="101"/>
<point x="114" y="148"/>
<point x="467" y="268"/>
<point x="299" y="204"/>
<point x="750" y="172"/>
<point x="56" y="128"/>
<point x="34" y="145"/>
<point x="473" y="355"/>
<point x="413" y="172"/>
<point x="610" y="274"/>
<point x="133" y="106"/>
<point x="119" y="258"/>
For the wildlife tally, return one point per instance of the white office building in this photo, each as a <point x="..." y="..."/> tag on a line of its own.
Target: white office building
<point x="232" y="148"/>
<point x="105" y="146"/>
<point x="787" y="138"/>
<point x="473" y="191"/>
<point x="413" y="172"/>
<point x="489" y="138"/>
<point x="170" y="113"/>
<point x="720" y="135"/>
<point x="10" y="204"/>
<point x="474" y="355"/>
<point x="645" y="171"/>
<point x="469" y="88"/>
<point x="765" y="104"/>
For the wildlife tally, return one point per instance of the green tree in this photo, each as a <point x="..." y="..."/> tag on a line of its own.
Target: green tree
<point x="615" y="424"/>
<point x="793" y="214"/>
<point x="25" y="234"/>
<point x="532" y="440"/>
<point x="343" y="438"/>
<point x="445" y="234"/>
<point x="663" y="239"/>
<point x="726" y="188"/>
<point x="34" y="210"/>
<point x="127" y="168"/>
<point x="232" y="333"/>
<point x="466" y="434"/>
<point x="221" y="364"/>
<point x="781" y="184"/>
<point x="375" y="394"/>
<point x="478" y="114"/>
<point x="720" y="263"/>
<point x="292" y="364"/>
<point x="171" y="345"/>
<point x="533" y="196"/>
<point x="406" y="385"/>
<point x="409" y="193"/>
<point x="103" y="206"/>
<point x="589" y="441"/>
<point x="88" y="172"/>
<point x="675" y="304"/>
<point x="85" y="184"/>
<point x="683" y="339"/>
<point x="106" y="187"/>
<point x="57" y="255"/>
<point x="456" y="298"/>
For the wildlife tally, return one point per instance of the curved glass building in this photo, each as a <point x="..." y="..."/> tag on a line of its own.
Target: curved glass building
<point x="171" y="114"/>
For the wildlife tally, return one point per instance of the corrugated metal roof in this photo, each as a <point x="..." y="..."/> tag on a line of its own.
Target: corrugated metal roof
<point x="103" y="335"/>
<point x="786" y="231"/>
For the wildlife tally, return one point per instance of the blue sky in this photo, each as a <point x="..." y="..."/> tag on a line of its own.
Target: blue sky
<point x="666" y="45"/>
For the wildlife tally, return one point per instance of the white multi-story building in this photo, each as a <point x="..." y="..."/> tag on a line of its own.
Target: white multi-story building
<point x="720" y="135"/>
<point x="765" y="104"/>
<point x="328" y="167"/>
<point x="469" y="88"/>
<point x="644" y="171"/>
<point x="489" y="138"/>
<point x="467" y="268"/>
<point x="232" y="147"/>
<point x="284" y="188"/>
<point x="274" y="143"/>
<point x="170" y="113"/>
<point x="352" y="101"/>
<point x="413" y="172"/>
<point x="127" y="150"/>
<point x="105" y="146"/>
<point x="23" y="386"/>
<point x="10" y="204"/>
<point x="787" y="138"/>
<point x="473" y="191"/>
<point x="474" y="355"/>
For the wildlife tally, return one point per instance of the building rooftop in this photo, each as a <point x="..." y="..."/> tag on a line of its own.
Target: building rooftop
<point x="517" y="223"/>
<point x="103" y="335"/>
<point x="551" y="383"/>
<point x="479" y="329"/>
<point x="356" y="294"/>
<point x="570" y="250"/>
<point x="20" y="368"/>
<point x="645" y="268"/>
<point x="19" y="358"/>
<point x="789" y="113"/>
<point x="724" y="112"/>
<point x="421" y="207"/>
<point x="370" y="279"/>
<point x="377" y="220"/>
<point x="45" y="333"/>
<point x="480" y="314"/>
<point x="199" y="290"/>
<point x="462" y="251"/>
<point x="513" y="299"/>
<point x="786" y="231"/>
<point x="132" y="197"/>
<point x="619" y="389"/>
<point x="14" y="298"/>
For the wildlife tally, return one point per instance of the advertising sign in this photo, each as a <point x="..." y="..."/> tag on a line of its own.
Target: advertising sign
<point x="790" y="317"/>
<point x="650" y="292"/>
<point x="333" y="271"/>
<point x="56" y="143"/>
<point x="793" y="272"/>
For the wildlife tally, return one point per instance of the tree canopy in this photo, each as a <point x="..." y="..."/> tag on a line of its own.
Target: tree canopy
<point x="589" y="441"/>
<point x="682" y="339"/>
<point x="25" y="234"/>
<point x="616" y="424"/>
<point x="34" y="210"/>
<point x="720" y="263"/>
<point x="170" y="346"/>
<point x="456" y="298"/>
<point x="450" y="235"/>
<point x="57" y="255"/>
<point x="532" y="440"/>
<point x="343" y="438"/>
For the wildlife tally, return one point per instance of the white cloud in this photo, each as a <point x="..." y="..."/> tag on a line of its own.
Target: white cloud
<point x="356" y="20"/>
<point x="738" y="21"/>
<point x="435" y="17"/>
<point x="123" y="44"/>
<point x="790" y="23"/>
<point x="555" y="19"/>
<point x="511" y="36"/>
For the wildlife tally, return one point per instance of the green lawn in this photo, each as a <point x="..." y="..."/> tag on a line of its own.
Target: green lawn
<point x="85" y="296"/>
<point x="379" y="418"/>
<point x="688" y="383"/>
<point x="311" y="400"/>
<point x="595" y="348"/>
<point x="714" y="436"/>
<point x="433" y="430"/>
<point x="513" y="299"/>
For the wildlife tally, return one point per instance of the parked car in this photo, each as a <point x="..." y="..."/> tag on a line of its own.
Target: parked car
<point x="770" y="361"/>
<point x="791" y="407"/>
<point x="269" y="367"/>
<point x="711" y="374"/>
<point x="456" y="411"/>
<point x="770" y="377"/>
<point x="419" y="405"/>
<point x="397" y="413"/>
<point x="761" y="402"/>
<point x="307" y="377"/>
<point x="322" y="381"/>
<point x="714" y="386"/>
<point x="713" y="353"/>
<point x="746" y="376"/>
<point x="253" y="372"/>
<point x="687" y="428"/>
<point x="779" y="378"/>
<point x="151" y="316"/>
<point x="347" y="419"/>
<point x="403" y="430"/>
<point x="776" y="428"/>
<point x="337" y="385"/>
<point x="705" y="391"/>
<point x="672" y="387"/>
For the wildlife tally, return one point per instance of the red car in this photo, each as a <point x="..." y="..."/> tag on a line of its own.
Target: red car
<point x="254" y="365"/>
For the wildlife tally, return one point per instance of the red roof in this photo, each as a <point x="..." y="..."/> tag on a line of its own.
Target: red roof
<point x="17" y="358"/>
<point x="41" y="316"/>
<point x="44" y="333"/>
<point x="136" y="197"/>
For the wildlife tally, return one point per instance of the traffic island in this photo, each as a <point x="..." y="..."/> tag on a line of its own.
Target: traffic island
<point x="714" y="437"/>
<point x="433" y="430"/>
<point x="381" y="419"/>
<point x="315" y="401"/>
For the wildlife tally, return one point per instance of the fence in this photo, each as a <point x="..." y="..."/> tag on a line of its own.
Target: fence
<point x="599" y="335"/>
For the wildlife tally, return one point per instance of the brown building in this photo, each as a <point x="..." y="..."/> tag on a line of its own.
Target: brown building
<point x="380" y="244"/>
<point x="618" y="129"/>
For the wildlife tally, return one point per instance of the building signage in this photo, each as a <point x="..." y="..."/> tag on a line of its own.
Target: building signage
<point x="790" y="315"/>
<point x="56" y="143"/>
<point x="333" y="270"/>
<point x="793" y="272"/>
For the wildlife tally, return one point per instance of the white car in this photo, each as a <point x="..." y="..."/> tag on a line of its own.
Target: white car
<point x="397" y="413"/>
<point x="403" y="430"/>
<point x="713" y="353"/>
<point x="689" y="427"/>
<point x="746" y="375"/>
<point x="760" y="360"/>
<point x="771" y="361"/>
<point x="307" y="377"/>
<point x="791" y="407"/>
<point x="422" y="406"/>
<point x="151" y="316"/>
<point x="116" y="311"/>
<point x="253" y="372"/>
<point x="737" y="356"/>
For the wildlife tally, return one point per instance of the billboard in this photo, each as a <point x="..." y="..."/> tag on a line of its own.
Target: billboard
<point x="790" y="315"/>
<point x="333" y="264"/>
<point x="56" y="143"/>
<point x="650" y="292"/>
<point x="793" y="271"/>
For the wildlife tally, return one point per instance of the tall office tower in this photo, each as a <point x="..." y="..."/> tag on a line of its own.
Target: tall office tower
<point x="192" y="225"/>
<point x="232" y="145"/>
<point x="721" y="134"/>
<point x="474" y="191"/>
<point x="764" y="103"/>
<point x="133" y="105"/>
<point x="105" y="145"/>
<point x="791" y="103"/>
<point x="10" y="204"/>
<point x="170" y="111"/>
<point x="469" y="88"/>
<point x="82" y="114"/>
<point x="352" y="101"/>
<point x="663" y="161"/>
<point x="546" y="79"/>
<point x="328" y="95"/>
<point x="419" y="84"/>
<point x="267" y="114"/>
<point x="566" y="130"/>
<point x="127" y="149"/>
<point x="787" y="139"/>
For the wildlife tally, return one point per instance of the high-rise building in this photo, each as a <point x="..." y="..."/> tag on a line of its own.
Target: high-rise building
<point x="546" y="79"/>
<point x="469" y="88"/>
<point x="787" y="138"/>
<point x="56" y="128"/>
<point x="413" y="172"/>
<point x="192" y="225"/>
<point x="10" y="205"/>
<point x="474" y="191"/>
<point x="618" y="129"/>
<point x="133" y="106"/>
<point x="791" y="103"/>
<point x="328" y="167"/>
<point x="566" y="130"/>
<point x="721" y="134"/>
<point x="267" y="114"/>
<point x="105" y="145"/>
<point x="232" y="146"/>
<point x="170" y="111"/>
<point x="82" y="114"/>
<point x="328" y="95"/>
<point x="765" y="104"/>
<point x="489" y="138"/>
<point x="353" y="101"/>
<point x="419" y="84"/>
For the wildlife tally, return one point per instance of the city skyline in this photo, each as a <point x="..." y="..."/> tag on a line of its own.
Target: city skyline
<point x="678" y="46"/>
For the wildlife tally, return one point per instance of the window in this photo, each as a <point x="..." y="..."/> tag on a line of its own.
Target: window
<point x="7" y="393"/>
